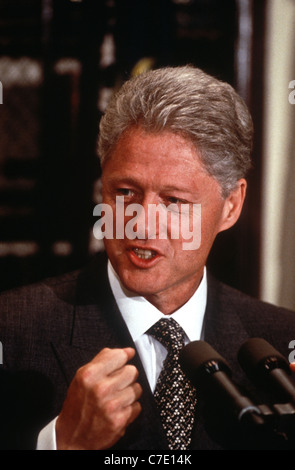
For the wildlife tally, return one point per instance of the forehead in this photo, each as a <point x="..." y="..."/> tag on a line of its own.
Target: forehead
<point x="162" y="161"/>
<point x="166" y="152"/>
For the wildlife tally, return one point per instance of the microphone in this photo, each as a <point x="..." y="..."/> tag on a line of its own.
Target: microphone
<point x="211" y="375"/>
<point x="267" y="368"/>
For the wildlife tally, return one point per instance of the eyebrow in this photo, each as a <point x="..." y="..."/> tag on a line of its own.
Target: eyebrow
<point x="135" y="183"/>
<point x="177" y="188"/>
<point x="123" y="180"/>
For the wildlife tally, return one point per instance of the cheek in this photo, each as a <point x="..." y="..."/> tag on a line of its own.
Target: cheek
<point x="211" y="220"/>
<point x="114" y="250"/>
<point x="197" y="230"/>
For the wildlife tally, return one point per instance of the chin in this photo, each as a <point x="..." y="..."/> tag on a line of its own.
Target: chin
<point x="139" y="286"/>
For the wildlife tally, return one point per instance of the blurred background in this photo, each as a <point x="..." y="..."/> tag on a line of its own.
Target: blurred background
<point x="60" y="61"/>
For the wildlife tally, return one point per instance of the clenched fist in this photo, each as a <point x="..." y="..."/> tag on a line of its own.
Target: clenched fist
<point x="102" y="401"/>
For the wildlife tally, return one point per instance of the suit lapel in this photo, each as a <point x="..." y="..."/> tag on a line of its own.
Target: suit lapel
<point x="70" y="359"/>
<point x="223" y="328"/>
<point x="225" y="333"/>
<point x="96" y="321"/>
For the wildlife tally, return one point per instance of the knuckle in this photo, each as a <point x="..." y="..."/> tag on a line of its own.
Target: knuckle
<point x="104" y="351"/>
<point x="137" y="390"/>
<point x="121" y="422"/>
<point x="101" y="389"/>
<point x="132" y="371"/>
<point x="83" y="375"/>
<point x="111" y="407"/>
<point x="111" y="352"/>
<point x="116" y="420"/>
<point x="136" y="409"/>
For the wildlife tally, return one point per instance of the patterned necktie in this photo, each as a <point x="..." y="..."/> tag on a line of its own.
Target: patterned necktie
<point x="174" y="394"/>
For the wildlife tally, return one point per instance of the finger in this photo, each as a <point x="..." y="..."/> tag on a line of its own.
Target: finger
<point x="133" y="412"/>
<point x="129" y="395"/>
<point x="128" y="415"/>
<point x="292" y="366"/>
<point x="121" y="378"/>
<point x="109" y="360"/>
<point x="114" y="398"/>
<point x="130" y="353"/>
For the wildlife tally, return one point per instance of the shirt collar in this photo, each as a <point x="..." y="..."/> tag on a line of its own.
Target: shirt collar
<point x="139" y="314"/>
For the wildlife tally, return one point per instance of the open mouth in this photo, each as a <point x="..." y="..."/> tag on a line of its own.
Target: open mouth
<point x="144" y="254"/>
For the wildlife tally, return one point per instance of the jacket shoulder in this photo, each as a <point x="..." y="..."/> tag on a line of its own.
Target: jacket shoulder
<point x="250" y="306"/>
<point x="38" y="295"/>
<point x="258" y="318"/>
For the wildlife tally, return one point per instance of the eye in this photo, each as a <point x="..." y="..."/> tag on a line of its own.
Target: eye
<point x="176" y="200"/>
<point x="177" y="205"/>
<point x="125" y="192"/>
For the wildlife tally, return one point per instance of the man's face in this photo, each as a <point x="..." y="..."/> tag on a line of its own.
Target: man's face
<point x="164" y="169"/>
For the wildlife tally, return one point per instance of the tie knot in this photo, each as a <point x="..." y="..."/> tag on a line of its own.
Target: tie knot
<point x="169" y="333"/>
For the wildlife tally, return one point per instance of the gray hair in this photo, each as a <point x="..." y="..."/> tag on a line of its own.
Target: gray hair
<point x="186" y="101"/>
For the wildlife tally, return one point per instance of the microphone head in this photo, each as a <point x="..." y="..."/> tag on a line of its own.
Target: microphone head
<point x="258" y="358"/>
<point x="198" y="360"/>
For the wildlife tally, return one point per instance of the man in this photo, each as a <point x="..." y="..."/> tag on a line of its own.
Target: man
<point x="177" y="140"/>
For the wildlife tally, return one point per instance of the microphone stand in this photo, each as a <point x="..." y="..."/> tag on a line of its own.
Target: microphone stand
<point x="280" y="419"/>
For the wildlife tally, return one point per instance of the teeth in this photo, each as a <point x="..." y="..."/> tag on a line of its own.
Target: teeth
<point x="144" y="254"/>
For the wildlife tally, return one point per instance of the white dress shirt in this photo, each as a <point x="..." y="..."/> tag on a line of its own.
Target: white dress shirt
<point x="139" y="315"/>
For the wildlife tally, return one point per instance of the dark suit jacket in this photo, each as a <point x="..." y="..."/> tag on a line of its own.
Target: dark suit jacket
<point x="50" y="329"/>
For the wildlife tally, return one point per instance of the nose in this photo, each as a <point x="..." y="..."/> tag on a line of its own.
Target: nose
<point x="144" y="224"/>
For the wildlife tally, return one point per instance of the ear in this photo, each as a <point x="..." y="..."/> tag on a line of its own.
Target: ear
<point x="233" y="205"/>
